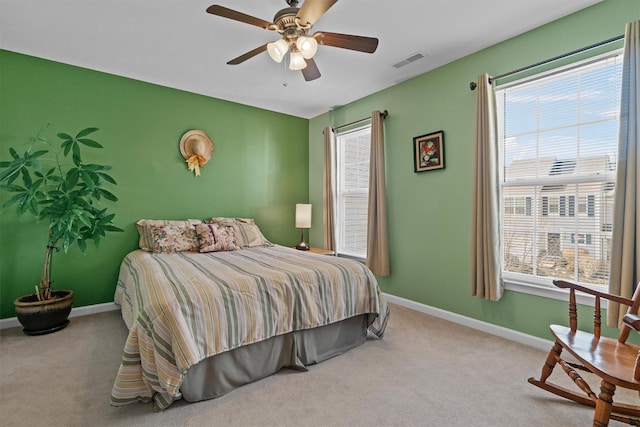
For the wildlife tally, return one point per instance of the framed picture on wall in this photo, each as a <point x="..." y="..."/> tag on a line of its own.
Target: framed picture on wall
<point x="428" y="151"/>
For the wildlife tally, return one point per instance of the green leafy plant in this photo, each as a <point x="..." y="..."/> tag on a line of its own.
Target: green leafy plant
<point x="66" y="195"/>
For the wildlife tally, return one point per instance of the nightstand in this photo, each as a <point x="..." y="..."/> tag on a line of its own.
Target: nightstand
<point x="320" y="251"/>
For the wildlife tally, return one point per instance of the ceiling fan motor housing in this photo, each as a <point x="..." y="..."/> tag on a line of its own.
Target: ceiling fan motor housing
<point x="285" y="21"/>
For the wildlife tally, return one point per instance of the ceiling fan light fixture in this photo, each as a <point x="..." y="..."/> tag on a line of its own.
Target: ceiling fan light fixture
<point x="296" y="61"/>
<point x="308" y="46"/>
<point x="278" y="49"/>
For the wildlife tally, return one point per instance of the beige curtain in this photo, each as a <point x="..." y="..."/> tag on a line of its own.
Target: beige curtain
<point x="377" y="238"/>
<point x="486" y="281"/>
<point x="625" y="243"/>
<point x="327" y="190"/>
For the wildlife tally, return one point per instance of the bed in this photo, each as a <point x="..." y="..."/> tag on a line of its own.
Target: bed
<point x="202" y="324"/>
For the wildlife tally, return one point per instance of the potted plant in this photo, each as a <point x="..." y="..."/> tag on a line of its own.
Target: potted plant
<point x="66" y="195"/>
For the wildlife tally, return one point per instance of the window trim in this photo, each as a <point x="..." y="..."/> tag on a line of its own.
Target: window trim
<point x="546" y="291"/>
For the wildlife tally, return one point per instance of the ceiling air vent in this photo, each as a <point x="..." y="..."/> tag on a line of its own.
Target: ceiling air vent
<point x="409" y="60"/>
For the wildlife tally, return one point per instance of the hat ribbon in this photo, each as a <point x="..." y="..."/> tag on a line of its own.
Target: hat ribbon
<point x="196" y="162"/>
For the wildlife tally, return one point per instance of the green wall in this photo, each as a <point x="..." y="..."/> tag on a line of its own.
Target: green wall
<point x="430" y="213"/>
<point x="256" y="153"/>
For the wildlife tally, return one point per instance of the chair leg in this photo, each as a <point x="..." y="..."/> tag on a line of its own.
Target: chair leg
<point x="603" y="406"/>
<point x="550" y="363"/>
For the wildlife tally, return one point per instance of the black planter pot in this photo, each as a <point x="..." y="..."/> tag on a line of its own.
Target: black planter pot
<point x="44" y="317"/>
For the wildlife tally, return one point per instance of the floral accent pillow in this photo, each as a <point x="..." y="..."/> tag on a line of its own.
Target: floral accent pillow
<point x="215" y="238"/>
<point x="245" y="230"/>
<point x="144" y="230"/>
<point x="173" y="238"/>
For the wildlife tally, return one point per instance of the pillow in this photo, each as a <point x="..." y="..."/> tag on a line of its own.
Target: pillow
<point x="144" y="230"/>
<point x="173" y="238"/>
<point x="215" y="237"/>
<point x="245" y="231"/>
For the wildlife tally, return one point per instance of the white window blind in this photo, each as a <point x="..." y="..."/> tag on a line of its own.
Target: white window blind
<point x="353" y="151"/>
<point x="558" y="148"/>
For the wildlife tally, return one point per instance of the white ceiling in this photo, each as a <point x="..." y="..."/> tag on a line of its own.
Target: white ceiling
<point x="175" y="43"/>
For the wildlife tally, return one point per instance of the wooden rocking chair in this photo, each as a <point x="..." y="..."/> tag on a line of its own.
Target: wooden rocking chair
<point x="613" y="360"/>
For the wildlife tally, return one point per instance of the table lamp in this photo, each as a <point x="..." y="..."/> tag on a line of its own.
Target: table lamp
<point x="303" y="220"/>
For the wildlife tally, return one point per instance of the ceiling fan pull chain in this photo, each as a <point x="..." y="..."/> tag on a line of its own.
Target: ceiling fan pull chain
<point x="284" y="71"/>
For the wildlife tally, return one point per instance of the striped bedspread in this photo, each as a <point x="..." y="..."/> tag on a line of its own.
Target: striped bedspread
<point x="182" y="308"/>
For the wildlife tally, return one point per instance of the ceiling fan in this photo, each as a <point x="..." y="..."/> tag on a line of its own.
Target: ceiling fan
<point x="293" y="24"/>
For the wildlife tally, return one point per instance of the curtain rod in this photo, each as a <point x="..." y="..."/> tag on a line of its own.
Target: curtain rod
<point x="384" y="115"/>
<point x="473" y="85"/>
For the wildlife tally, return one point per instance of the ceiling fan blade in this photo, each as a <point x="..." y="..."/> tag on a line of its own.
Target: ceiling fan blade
<point x="347" y="41"/>
<point x="238" y="16"/>
<point x="248" y="55"/>
<point x="312" y="10"/>
<point x="310" y="72"/>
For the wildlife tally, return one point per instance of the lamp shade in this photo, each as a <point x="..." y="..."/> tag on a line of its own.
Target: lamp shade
<point x="303" y="215"/>
<point x="308" y="46"/>
<point x="278" y="49"/>
<point x="297" y="61"/>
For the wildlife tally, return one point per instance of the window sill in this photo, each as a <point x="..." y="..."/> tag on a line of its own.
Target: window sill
<point x="353" y="257"/>
<point x="548" y="292"/>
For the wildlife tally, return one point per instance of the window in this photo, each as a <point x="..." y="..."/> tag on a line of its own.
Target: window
<point x="558" y="152"/>
<point x="517" y="206"/>
<point x="582" y="239"/>
<point x="352" y="191"/>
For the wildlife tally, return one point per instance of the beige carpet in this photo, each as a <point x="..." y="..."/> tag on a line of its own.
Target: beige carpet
<point x="425" y="372"/>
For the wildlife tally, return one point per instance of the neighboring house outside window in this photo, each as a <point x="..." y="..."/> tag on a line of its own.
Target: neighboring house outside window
<point x="352" y="191"/>
<point x="558" y="149"/>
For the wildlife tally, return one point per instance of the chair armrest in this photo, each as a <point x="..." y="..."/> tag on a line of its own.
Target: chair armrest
<point x="632" y="320"/>
<point x="616" y="298"/>
<point x="573" y="309"/>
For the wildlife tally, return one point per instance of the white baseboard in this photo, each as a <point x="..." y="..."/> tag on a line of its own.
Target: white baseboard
<point x="500" y="331"/>
<point x="13" y="322"/>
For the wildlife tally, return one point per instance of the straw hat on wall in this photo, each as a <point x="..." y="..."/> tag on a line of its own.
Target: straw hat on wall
<point x="196" y="147"/>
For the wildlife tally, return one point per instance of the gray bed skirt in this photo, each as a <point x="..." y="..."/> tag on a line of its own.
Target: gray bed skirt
<point x="219" y="374"/>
